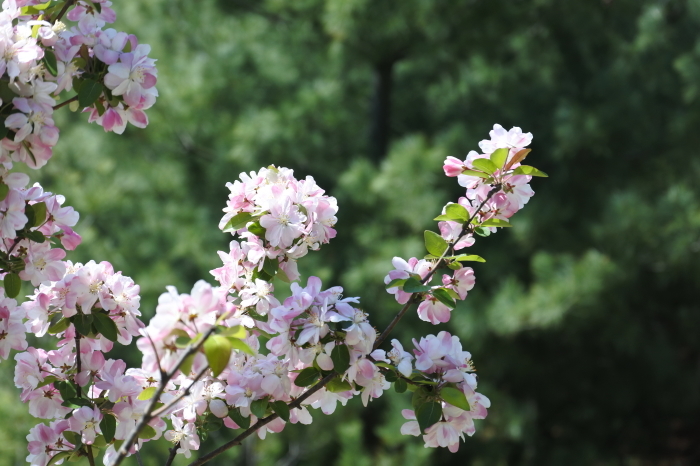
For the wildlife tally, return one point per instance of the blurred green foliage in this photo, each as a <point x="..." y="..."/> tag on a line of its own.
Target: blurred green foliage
<point x="584" y="322"/>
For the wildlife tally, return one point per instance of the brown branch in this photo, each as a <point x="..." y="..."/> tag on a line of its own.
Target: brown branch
<point x="148" y="414"/>
<point x="262" y="422"/>
<point x="65" y="102"/>
<point x="173" y="453"/>
<point x="63" y="11"/>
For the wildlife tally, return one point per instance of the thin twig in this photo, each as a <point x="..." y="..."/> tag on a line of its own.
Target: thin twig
<point x="416" y="296"/>
<point x="91" y="459"/>
<point x="262" y="422"/>
<point x="164" y="409"/>
<point x="65" y="102"/>
<point x="173" y="453"/>
<point x="60" y="14"/>
<point x="148" y="414"/>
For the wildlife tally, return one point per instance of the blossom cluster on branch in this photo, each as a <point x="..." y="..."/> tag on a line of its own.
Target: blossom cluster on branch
<point x="228" y="356"/>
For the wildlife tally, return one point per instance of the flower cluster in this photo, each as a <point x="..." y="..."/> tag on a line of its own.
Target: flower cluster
<point x="233" y="355"/>
<point x="42" y="59"/>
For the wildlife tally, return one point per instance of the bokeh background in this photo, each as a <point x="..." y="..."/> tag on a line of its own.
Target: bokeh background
<point x="585" y="321"/>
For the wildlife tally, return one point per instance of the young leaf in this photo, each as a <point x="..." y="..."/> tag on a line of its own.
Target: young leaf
<point x="237" y="417"/>
<point x="66" y="389"/>
<point x="59" y="456"/>
<point x="89" y="92"/>
<point x="72" y="437"/>
<point x="517" y="158"/>
<point x="414" y="286"/>
<point x="434" y="243"/>
<point x="259" y="407"/>
<point x="12" y="285"/>
<point x="495" y="222"/>
<point x="59" y="326"/>
<point x="217" y="349"/>
<point x="499" y="156"/>
<point x="237" y="331"/>
<point x="186" y="366"/>
<point x="147" y="432"/>
<point x="481" y="231"/>
<point x="108" y="426"/>
<point x="307" y="377"/>
<point x="469" y="258"/>
<point x="391" y="376"/>
<point x="4" y="191"/>
<point x="457" y="212"/>
<point x="36" y="236"/>
<point x="396" y="282"/>
<point x="455" y="397"/>
<point x="341" y="358"/>
<point x="400" y="386"/>
<point x="444" y="297"/>
<point x="47" y="380"/>
<point x="419" y="397"/>
<point x="147" y="393"/>
<point x="282" y="410"/>
<point x="270" y="266"/>
<point x="428" y="414"/>
<point x="528" y="170"/>
<point x="475" y="173"/>
<point x="337" y="385"/>
<point x="240" y="345"/>
<point x="257" y="230"/>
<point x="238" y="221"/>
<point x="485" y="165"/>
<point x="106" y="326"/>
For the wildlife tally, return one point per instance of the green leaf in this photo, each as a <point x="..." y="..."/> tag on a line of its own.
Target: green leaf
<point x="238" y="221"/>
<point x="428" y="414"/>
<point x="237" y="331"/>
<point x="270" y="266"/>
<point x="282" y="410"/>
<point x="444" y="297"/>
<point x="338" y="385"/>
<point x="108" y="426"/>
<point x="29" y="212"/>
<point x="59" y="326"/>
<point x="341" y="358"/>
<point x="147" y="393"/>
<point x="47" y="380"/>
<point x="72" y="437"/>
<point x="50" y="62"/>
<point x="217" y="349"/>
<point x="106" y="326"/>
<point x="412" y="285"/>
<point x="12" y="284"/>
<point x="434" y="243"/>
<point x="83" y="323"/>
<point x="240" y="345"/>
<point x="485" y="165"/>
<point x="100" y="442"/>
<point x="396" y="282"/>
<point x="499" y="157"/>
<point x="237" y="417"/>
<point x="59" y="456"/>
<point x="400" y="386"/>
<point x="452" y="293"/>
<point x="4" y="191"/>
<point x="469" y="258"/>
<point x="454" y="265"/>
<point x="147" y="432"/>
<point x="528" y="170"/>
<point x="88" y="94"/>
<point x="259" y="407"/>
<point x="257" y="230"/>
<point x="307" y="377"/>
<point x="36" y="236"/>
<point x="475" y="173"/>
<point x="481" y="231"/>
<point x="419" y="397"/>
<point x="391" y="376"/>
<point x="495" y="222"/>
<point x="212" y="423"/>
<point x="455" y="397"/>
<point x="186" y="366"/>
<point x="457" y="212"/>
<point x="75" y="403"/>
